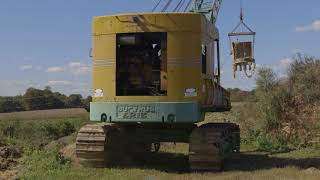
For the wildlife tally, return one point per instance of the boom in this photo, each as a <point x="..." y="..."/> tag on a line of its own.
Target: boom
<point x="210" y="8"/>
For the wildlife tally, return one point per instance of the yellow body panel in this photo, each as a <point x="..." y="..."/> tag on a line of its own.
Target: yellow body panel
<point x="186" y="32"/>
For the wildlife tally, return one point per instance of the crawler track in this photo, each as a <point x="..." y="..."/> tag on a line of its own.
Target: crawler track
<point x="95" y="145"/>
<point x="210" y="144"/>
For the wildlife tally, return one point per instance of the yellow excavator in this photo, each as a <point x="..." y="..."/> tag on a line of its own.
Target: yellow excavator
<point x="155" y="76"/>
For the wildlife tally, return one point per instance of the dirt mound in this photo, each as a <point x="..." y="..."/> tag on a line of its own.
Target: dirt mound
<point x="8" y="154"/>
<point x="8" y="163"/>
<point x="69" y="151"/>
<point x="61" y="143"/>
<point x="312" y="170"/>
<point x="13" y="174"/>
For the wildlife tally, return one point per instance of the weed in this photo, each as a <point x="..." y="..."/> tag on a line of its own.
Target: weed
<point x="38" y="163"/>
<point x="36" y="134"/>
<point x="275" y="144"/>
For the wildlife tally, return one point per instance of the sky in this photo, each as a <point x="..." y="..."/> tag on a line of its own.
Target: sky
<point x="47" y="43"/>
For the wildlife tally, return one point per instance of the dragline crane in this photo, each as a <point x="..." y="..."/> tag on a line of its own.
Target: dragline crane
<point x="155" y="76"/>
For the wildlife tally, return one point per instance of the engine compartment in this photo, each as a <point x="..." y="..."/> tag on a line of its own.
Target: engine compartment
<point x="141" y="64"/>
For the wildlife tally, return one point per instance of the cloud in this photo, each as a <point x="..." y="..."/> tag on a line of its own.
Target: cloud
<point x="55" y="69"/>
<point x="29" y="67"/>
<point x="56" y="83"/>
<point x="39" y="68"/>
<point x="295" y="51"/>
<point x="26" y="67"/>
<point x="282" y="66"/>
<point x="70" y="87"/>
<point x="86" y="91"/>
<point x="314" y="26"/>
<point x="75" y="68"/>
<point x="285" y="62"/>
<point x="79" y="68"/>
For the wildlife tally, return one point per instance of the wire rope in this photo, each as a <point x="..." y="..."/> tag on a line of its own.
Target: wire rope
<point x="187" y="6"/>
<point x="181" y="5"/>
<point x="174" y="10"/>
<point x="156" y="6"/>
<point x="166" y="6"/>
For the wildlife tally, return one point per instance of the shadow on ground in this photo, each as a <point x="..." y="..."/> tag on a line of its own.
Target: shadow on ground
<point x="178" y="163"/>
<point x="250" y="162"/>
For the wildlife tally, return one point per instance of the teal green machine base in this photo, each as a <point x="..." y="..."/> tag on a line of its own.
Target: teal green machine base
<point x="146" y="112"/>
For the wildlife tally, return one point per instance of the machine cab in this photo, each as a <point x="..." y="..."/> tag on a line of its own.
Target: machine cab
<point x="155" y="67"/>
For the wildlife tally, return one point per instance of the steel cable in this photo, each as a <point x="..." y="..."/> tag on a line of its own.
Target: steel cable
<point x="177" y="6"/>
<point x="181" y="5"/>
<point x="166" y="6"/>
<point x="156" y="6"/>
<point x="187" y="6"/>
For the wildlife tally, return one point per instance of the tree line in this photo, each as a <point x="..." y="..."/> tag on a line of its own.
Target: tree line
<point x="37" y="99"/>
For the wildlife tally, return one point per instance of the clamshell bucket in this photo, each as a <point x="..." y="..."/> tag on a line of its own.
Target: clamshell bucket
<point x="242" y="49"/>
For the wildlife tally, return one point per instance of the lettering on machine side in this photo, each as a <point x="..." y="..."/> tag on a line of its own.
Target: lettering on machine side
<point x="131" y="112"/>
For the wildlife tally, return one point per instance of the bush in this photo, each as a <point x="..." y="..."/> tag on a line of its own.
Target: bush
<point x="67" y="128"/>
<point x="23" y="134"/>
<point x="58" y="130"/>
<point x="304" y="76"/>
<point x="246" y="115"/>
<point x="272" y="143"/>
<point x="285" y="109"/>
<point x="37" y="134"/>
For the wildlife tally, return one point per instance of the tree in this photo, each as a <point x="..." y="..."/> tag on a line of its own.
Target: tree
<point x="11" y="104"/>
<point x="86" y="103"/>
<point x="37" y="99"/>
<point x="304" y="77"/>
<point x="54" y="102"/>
<point x="74" y="101"/>
<point x="34" y="99"/>
<point x="266" y="79"/>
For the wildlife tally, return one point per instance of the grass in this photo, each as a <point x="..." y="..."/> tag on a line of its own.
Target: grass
<point x="35" y="129"/>
<point x="167" y="166"/>
<point x="170" y="163"/>
<point x="36" y="134"/>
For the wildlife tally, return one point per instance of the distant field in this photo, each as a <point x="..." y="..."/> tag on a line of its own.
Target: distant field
<point x="79" y="112"/>
<point x="45" y="114"/>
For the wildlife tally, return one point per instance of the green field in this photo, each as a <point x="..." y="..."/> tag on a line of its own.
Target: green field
<point x="57" y="160"/>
